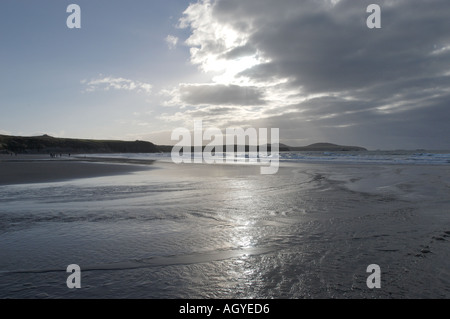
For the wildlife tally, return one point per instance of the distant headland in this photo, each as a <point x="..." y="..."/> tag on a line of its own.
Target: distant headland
<point x="326" y="147"/>
<point x="46" y="144"/>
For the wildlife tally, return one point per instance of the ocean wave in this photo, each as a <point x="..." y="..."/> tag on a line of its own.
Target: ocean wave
<point x="360" y="157"/>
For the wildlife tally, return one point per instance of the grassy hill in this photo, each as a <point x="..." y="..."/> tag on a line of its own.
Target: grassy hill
<point x="47" y="144"/>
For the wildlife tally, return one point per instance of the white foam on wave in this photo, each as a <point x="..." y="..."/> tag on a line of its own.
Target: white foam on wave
<point x="371" y="157"/>
<point x="367" y="157"/>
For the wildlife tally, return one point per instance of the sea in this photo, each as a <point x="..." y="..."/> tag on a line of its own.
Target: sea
<point x="313" y="230"/>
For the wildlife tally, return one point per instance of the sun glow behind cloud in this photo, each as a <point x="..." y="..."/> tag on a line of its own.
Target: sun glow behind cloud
<point x="232" y="68"/>
<point x="212" y="42"/>
<point x="221" y="50"/>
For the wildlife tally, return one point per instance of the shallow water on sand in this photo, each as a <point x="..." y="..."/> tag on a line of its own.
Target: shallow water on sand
<point x="204" y="231"/>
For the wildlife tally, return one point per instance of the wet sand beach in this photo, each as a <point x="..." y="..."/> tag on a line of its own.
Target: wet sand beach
<point x="23" y="169"/>
<point x="224" y="231"/>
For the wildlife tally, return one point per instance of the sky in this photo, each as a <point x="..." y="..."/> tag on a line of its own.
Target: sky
<point x="137" y="70"/>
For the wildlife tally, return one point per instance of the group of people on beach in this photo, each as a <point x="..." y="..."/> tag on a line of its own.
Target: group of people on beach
<point x="56" y="155"/>
<point x="52" y="155"/>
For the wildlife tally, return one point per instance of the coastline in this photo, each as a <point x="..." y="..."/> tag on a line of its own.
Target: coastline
<point x="35" y="168"/>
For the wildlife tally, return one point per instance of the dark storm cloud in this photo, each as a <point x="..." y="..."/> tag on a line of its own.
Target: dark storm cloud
<point x="220" y="95"/>
<point x="331" y="49"/>
<point x="385" y="86"/>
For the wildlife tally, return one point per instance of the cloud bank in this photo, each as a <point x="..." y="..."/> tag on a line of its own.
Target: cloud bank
<point x="315" y="70"/>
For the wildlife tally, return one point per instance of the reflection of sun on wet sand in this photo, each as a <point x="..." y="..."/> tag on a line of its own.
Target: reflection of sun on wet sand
<point x="40" y="169"/>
